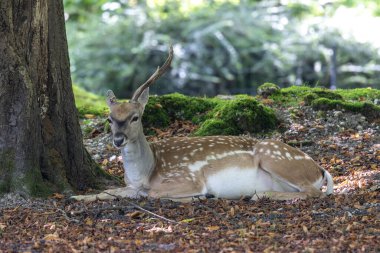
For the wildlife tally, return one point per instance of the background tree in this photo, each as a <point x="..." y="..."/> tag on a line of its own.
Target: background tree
<point x="224" y="46"/>
<point x="41" y="146"/>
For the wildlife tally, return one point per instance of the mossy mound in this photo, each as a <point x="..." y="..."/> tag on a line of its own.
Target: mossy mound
<point x="370" y="111"/>
<point x="267" y="89"/>
<point x="161" y="110"/>
<point x="240" y="115"/>
<point x="295" y="94"/>
<point x="214" y="116"/>
<point x="354" y="100"/>
<point x="310" y="97"/>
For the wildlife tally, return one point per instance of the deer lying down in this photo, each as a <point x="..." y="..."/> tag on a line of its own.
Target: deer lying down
<point x="221" y="166"/>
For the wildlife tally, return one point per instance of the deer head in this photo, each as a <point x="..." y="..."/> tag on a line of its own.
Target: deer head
<point x="125" y="117"/>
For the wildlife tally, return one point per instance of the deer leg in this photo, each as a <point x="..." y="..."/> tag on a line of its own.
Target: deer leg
<point x="311" y="193"/>
<point x="125" y="192"/>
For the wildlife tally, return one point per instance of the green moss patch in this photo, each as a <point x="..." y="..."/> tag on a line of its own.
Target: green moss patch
<point x="360" y="94"/>
<point x="370" y="111"/>
<point x="7" y="166"/>
<point x="89" y="103"/>
<point x="29" y="181"/>
<point x="161" y="110"/>
<point x="243" y="114"/>
<point x="295" y="94"/>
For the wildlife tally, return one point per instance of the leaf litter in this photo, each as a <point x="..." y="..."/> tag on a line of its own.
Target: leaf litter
<point x="347" y="221"/>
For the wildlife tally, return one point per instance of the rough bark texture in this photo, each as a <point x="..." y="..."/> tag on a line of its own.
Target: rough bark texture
<point x="40" y="139"/>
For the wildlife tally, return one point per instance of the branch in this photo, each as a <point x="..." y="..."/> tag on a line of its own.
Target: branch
<point x="144" y="210"/>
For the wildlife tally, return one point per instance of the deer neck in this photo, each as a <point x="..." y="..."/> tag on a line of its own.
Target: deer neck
<point x="138" y="162"/>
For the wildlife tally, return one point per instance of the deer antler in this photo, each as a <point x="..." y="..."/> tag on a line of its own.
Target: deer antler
<point x="157" y="74"/>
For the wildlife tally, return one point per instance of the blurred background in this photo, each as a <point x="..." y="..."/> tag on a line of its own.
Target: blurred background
<point x="223" y="46"/>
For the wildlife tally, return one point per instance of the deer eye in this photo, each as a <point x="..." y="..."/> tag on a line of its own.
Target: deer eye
<point x="135" y="118"/>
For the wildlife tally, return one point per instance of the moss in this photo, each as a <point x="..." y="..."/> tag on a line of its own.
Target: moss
<point x="360" y="94"/>
<point x="161" y="110"/>
<point x="30" y="181"/>
<point x="295" y="94"/>
<point x="182" y="107"/>
<point x="267" y="89"/>
<point x="107" y="126"/>
<point x="371" y="111"/>
<point x="309" y="98"/>
<point x="155" y="115"/>
<point x="7" y="166"/>
<point x="89" y="103"/>
<point x="35" y="184"/>
<point x="325" y="93"/>
<point x="240" y="115"/>
<point x="216" y="127"/>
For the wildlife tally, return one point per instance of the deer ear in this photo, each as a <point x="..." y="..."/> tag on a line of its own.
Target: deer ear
<point x="144" y="97"/>
<point x="111" y="98"/>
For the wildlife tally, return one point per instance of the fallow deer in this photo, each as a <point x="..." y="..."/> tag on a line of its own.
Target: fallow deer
<point x="221" y="166"/>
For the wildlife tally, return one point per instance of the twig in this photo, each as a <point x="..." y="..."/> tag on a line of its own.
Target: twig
<point x="66" y="216"/>
<point x="144" y="210"/>
<point x="212" y="210"/>
<point x="100" y="209"/>
<point x="63" y="212"/>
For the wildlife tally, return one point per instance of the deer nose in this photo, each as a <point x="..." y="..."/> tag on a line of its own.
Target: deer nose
<point x="118" y="140"/>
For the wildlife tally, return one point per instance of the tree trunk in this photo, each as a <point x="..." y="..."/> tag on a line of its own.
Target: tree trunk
<point x="41" y="148"/>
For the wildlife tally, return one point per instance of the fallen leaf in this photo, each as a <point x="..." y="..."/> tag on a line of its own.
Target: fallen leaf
<point x="212" y="228"/>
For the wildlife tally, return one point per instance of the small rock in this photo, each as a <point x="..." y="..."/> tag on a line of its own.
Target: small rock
<point x="338" y="113"/>
<point x="359" y="128"/>
<point x="312" y="130"/>
<point x="96" y="157"/>
<point x="112" y="158"/>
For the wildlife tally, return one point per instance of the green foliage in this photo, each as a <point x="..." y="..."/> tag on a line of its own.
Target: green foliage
<point x="220" y="47"/>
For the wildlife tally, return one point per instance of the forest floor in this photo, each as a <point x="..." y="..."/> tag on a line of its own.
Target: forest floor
<point x="343" y="143"/>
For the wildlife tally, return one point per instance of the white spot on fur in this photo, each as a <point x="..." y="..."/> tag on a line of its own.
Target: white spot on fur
<point x="197" y="165"/>
<point x="299" y="157"/>
<point x="289" y="156"/>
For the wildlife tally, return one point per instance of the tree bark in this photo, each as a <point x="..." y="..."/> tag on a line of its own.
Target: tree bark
<point x="41" y="148"/>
